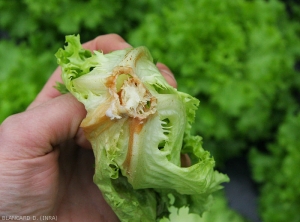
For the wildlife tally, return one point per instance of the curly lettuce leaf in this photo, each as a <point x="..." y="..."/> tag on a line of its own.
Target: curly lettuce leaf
<point x="138" y="126"/>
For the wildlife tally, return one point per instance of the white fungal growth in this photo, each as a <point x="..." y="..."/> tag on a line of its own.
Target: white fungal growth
<point x="130" y="96"/>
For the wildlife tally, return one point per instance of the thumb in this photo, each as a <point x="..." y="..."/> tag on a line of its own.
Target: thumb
<point x="37" y="131"/>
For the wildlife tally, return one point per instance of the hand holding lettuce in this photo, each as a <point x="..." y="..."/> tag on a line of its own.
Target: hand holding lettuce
<point x="139" y="126"/>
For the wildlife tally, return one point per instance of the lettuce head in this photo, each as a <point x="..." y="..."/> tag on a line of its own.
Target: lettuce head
<point x="139" y="126"/>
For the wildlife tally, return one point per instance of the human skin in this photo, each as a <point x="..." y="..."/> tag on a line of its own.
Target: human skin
<point x="46" y="164"/>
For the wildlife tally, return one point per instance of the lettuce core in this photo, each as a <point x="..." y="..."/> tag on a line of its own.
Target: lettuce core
<point x="130" y="96"/>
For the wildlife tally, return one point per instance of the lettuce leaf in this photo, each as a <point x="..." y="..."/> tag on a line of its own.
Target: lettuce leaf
<point x="139" y="126"/>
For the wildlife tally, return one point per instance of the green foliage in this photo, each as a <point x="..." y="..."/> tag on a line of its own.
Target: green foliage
<point x="57" y="18"/>
<point x="22" y="74"/>
<point x="242" y="52"/>
<point x="220" y="212"/>
<point x="279" y="174"/>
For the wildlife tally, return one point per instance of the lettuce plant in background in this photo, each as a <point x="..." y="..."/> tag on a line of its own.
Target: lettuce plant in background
<point x="237" y="57"/>
<point x="22" y="74"/>
<point x="278" y="173"/>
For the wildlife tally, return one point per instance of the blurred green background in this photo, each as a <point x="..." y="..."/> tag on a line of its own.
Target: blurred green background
<point x="241" y="58"/>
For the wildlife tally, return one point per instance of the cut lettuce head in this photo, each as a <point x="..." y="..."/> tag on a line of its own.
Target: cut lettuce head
<point x="139" y="126"/>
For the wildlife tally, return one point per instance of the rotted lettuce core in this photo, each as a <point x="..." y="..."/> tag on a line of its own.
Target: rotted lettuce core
<point x="130" y="96"/>
<point x="139" y="126"/>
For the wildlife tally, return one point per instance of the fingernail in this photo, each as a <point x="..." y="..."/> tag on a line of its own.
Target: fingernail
<point x="125" y="45"/>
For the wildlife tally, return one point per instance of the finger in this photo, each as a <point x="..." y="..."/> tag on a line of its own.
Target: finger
<point x="168" y="75"/>
<point x="105" y="43"/>
<point x="81" y="140"/>
<point x="42" y="128"/>
<point x="185" y="160"/>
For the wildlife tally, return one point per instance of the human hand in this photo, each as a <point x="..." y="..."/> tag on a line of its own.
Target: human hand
<point x="43" y="168"/>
